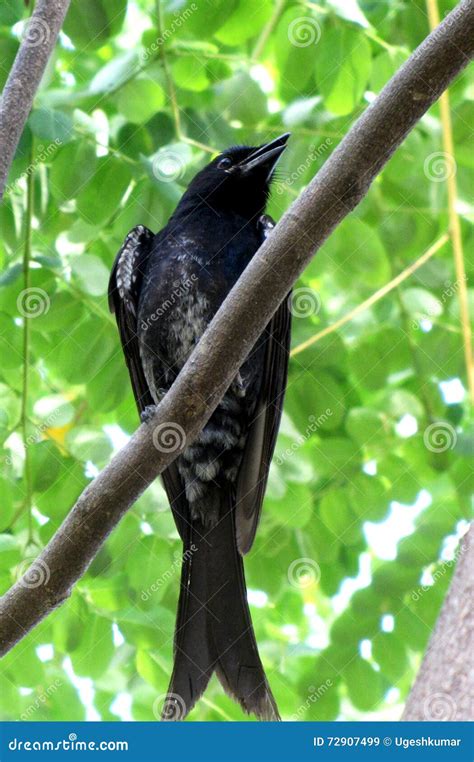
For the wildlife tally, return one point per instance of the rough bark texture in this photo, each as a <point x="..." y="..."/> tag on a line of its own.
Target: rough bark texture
<point x="444" y="687"/>
<point x="333" y="193"/>
<point x="38" y="43"/>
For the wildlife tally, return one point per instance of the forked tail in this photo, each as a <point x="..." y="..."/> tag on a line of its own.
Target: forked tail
<point x="213" y="628"/>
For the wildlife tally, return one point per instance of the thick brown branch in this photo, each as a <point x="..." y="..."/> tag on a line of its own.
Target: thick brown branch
<point x="443" y="687"/>
<point x="333" y="193"/>
<point x="38" y="43"/>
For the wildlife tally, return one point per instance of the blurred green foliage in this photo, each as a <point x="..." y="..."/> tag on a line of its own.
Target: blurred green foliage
<point x="372" y="478"/>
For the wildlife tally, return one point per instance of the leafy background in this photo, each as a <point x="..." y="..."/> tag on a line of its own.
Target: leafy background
<point x="366" y="502"/>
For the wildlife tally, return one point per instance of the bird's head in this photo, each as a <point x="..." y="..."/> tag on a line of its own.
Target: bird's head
<point x="238" y="179"/>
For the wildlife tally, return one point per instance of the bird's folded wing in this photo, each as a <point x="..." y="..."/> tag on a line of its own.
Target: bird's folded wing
<point x="124" y="291"/>
<point x="263" y="429"/>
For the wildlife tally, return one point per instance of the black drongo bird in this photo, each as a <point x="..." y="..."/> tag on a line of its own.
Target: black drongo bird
<point x="164" y="290"/>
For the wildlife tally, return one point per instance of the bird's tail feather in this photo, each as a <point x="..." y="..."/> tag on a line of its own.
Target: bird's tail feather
<point x="213" y="628"/>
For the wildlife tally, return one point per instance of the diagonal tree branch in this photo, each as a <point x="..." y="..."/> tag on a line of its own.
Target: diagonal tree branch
<point x="37" y="45"/>
<point x="334" y="192"/>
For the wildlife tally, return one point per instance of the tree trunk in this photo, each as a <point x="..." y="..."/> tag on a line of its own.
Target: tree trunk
<point x="444" y="687"/>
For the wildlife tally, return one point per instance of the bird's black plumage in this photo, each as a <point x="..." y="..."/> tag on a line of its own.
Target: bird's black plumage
<point x="164" y="290"/>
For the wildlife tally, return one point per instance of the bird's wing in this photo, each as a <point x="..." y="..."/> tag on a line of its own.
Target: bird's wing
<point x="124" y="291"/>
<point x="263" y="429"/>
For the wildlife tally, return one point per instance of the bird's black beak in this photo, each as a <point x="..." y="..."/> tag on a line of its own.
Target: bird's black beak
<point x="265" y="156"/>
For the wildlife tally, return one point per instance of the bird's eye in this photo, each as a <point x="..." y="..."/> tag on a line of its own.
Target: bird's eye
<point x="224" y="163"/>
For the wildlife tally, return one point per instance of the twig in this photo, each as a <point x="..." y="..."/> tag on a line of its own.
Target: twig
<point x="25" y="76"/>
<point x="454" y="221"/>
<point x="406" y="273"/>
<point x="267" y="30"/>
<point x="30" y="184"/>
<point x="172" y="91"/>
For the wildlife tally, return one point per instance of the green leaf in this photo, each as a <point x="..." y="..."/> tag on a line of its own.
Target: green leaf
<point x="140" y="99"/>
<point x="421" y="304"/>
<point x="96" y="649"/>
<point x="7" y="508"/>
<point x="343" y="65"/>
<point x="355" y="252"/>
<point x="390" y="654"/>
<point x="189" y="74"/>
<point x="9" y="551"/>
<point x="367" y="427"/>
<point x="45" y="464"/>
<point x="114" y="72"/>
<point x="95" y="205"/>
<point x="368" y="497"/>
<point x="335" y="511"/>
<point x="71" y="169"/>
<point x="11" y="12"/>
<point x="316" y="403"/>
<point x="241" y="99"/>
<point x="365" y="686"/>
<point x="92" y="274"/>
<point x="51" y="125"/>
<point x="148" y="668"/>
<point x="245" y="22"/>
<point x="86" y="443"/>
<point x="197" y="19"/>
<point x="349" y="10"/>
<point x="90" y="23"/>
<point x="151" y="569"/>
<point x="87" y="349"/>
<point x="297" y="34"/>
